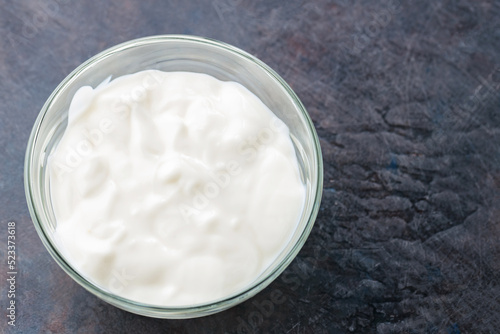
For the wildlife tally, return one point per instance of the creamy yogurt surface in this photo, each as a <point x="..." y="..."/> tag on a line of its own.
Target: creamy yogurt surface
<point x="173" y="188"/>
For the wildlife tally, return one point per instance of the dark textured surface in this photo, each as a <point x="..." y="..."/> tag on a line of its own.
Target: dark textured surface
<point x="406" y="100"/>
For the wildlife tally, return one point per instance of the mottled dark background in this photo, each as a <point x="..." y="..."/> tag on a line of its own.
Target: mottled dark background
<point x="405" y="97"/>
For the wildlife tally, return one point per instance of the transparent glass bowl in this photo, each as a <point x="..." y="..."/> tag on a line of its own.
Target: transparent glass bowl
<point x="174" y="53"/>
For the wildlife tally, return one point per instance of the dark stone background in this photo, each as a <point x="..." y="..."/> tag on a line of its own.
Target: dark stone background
<point x="405" y="97"/>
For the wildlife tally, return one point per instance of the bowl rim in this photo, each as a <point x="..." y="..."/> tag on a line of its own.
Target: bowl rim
<point x="189" y="311"/>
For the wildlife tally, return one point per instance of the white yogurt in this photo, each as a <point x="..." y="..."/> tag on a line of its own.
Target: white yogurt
<point x="173" y="188"/>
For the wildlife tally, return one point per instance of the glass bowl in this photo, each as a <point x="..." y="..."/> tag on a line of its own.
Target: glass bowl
<point x="174" y="53"/>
